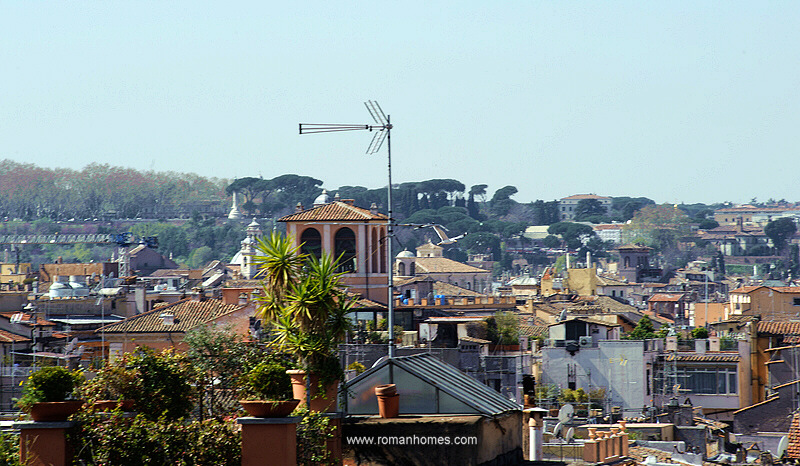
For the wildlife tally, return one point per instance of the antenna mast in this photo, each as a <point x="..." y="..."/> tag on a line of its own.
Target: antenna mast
<point x="383" y="130"/>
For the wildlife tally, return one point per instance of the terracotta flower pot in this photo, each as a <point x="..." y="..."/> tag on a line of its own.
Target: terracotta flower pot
<point x="386" y="390"/>
<point x="325" y="403"/>
<point x="266" y="408"/>
<point x="54" y="411"/>
<point x="389" y="406"/>
<point x="111" y="405"/>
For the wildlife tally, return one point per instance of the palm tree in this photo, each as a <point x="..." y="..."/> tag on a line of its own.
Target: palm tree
<point x="305" y="302"/>
<point x="279" y="264"/>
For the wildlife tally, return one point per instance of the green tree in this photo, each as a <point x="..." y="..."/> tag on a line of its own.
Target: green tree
<point x="305" y="302"/>
<point x="503" y="328"/>
<point x="588" y="208"/>
<point x="660" y="227"/>
<point x="708" y="224"/>
<point x="573" y="234"/>
<point x="779" y="231"/>
<point x="551" y="241"/>
<point x="200" y="257"/>
<point x="699" y="333"/>
<point x="643" y="331"/>
<point x="482" y="243"/>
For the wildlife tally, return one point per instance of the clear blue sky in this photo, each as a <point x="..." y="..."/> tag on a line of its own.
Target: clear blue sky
<point x="677" y="101"/>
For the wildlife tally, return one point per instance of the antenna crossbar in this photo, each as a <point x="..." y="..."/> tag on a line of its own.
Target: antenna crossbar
<point x="309" y="128"/>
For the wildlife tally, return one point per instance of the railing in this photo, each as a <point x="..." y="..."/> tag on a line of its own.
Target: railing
<point x="19" y="372"/>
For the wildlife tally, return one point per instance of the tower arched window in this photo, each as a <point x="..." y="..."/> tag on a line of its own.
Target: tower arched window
<point x="374" y="252"/>
<point x="401" y="269"/>
<point x="344" y="248"/>
<point x="311" y="242"/>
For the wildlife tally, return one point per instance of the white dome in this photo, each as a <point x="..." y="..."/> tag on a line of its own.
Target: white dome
<point x="405" y="253"/>
<point x="322" y="198"/>
<point x="60" y="290"/>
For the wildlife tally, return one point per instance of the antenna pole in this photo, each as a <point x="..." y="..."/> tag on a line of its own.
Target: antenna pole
<point x="390" y="223"/>
<point x="383" y="130"/>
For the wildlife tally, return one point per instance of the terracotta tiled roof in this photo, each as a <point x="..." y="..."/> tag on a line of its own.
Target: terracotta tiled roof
<point x="8" y="337"/>
<point x="634" y="246"/>
<point x="243" y="284"/>
<point x="779" y="328"/>
<point x="475" y="340"/>
<point x="451" y="290"/>
<point x="786" y="289"/>
<point x="408" y="281"/>
<point x="533" y="330"/>
<point x="639" y="454"/>
<point x="793" y="339"/>
<point x="364" y="303"/>
<point x="661" y="297"/>
<point x="709" y="357"/>
<point x="745" y="289"/>
<point x="583" y="196"/>
<point x="608" y="226"/>
<point x="444" y="265"/>
<point x="27" y="319"/>
<point x="188" y="315"/>
<point x="334" y="211"/>
<point x="793" y="450"/>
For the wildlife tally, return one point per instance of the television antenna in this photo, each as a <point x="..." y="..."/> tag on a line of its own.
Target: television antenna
<point x="383" y="132"/>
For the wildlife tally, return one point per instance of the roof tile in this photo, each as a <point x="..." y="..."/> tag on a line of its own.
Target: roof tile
<point x="188" y="315"/>
<point x="779" y="328"/>
<point x="444" y="265"/>
<point x="334" y="211"/>
<point x="692" y="357"/>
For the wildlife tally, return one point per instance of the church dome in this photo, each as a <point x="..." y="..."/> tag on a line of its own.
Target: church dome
<point x="404" y="254"/>
<point x="322" y="198"/>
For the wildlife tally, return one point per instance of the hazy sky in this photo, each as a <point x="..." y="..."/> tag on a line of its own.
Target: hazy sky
<point x="680" y="101"/>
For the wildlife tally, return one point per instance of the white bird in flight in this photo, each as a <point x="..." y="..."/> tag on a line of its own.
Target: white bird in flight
<point x="442" y="234"/>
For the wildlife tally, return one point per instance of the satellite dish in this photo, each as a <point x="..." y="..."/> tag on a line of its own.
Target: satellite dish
<point x="557" y="429"/>
<point x="565" y="413"/>
<point x="71" y="345"/>
<point x="782" y="445"/>
<point x="570" y="435"/>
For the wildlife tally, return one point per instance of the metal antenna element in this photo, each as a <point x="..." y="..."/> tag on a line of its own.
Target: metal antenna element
<point x="383" y="129"/>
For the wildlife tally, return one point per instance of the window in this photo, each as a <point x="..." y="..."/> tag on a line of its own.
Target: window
<point x="344" y="248"/>
<point x="796" y="301"/>
<point x="708" y="380"/>
<point x="401" y="269"/>
<point x="311" y="242"/>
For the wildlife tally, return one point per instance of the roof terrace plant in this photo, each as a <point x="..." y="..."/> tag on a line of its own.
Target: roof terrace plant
<point x="305" y="303"/>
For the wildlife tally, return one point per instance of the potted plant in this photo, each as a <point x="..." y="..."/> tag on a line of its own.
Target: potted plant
<point x="266" y="391"/>
<point x="305" y="304"/>
<point x="115" y="385"/>
<point x="48" y="394"/>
